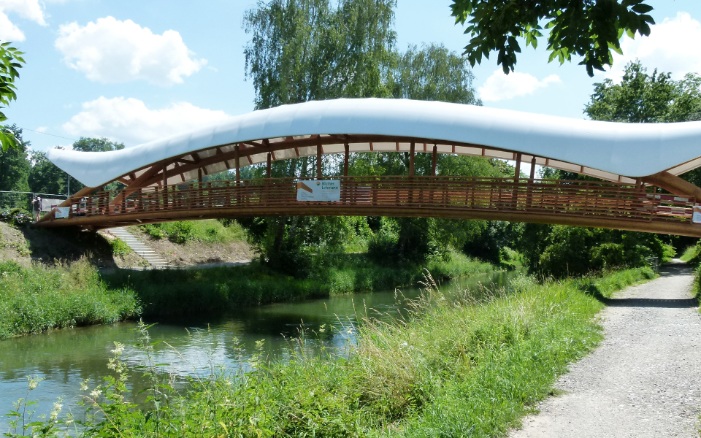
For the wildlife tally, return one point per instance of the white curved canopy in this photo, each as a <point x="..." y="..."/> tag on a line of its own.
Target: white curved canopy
<point x="633" y="150"/>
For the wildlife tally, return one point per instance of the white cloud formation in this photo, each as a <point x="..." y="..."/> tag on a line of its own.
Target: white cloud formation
<point x="500" y="86"/>
<point x="111" y="51"/>
<point x="29" y="9"/>
<point x="669" y="48"/>
<point x="131" y="122"/>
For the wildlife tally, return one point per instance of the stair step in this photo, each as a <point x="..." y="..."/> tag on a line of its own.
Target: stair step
<point x="140" y="248"/>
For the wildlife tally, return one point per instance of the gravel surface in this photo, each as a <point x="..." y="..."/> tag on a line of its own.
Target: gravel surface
<point x="644" y="380"/>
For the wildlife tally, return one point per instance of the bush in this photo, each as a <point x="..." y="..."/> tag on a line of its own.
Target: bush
<point x="16" y="216"/>
<point x="119" y="247"/>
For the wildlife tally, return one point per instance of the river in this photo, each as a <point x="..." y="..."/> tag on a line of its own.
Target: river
<point x="63" y="359"/>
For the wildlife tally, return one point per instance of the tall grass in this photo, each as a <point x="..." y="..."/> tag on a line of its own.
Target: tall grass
<point x="39" y="298"/>
<point x="208" y="231"/>
<point x="171" y="293"/>
<point x="468" y="364"/>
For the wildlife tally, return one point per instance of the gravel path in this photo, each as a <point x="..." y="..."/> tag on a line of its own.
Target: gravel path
<point x="644" y="380"/>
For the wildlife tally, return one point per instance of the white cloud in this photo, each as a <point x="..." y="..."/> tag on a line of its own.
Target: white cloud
<point x="671" y="47"/>
<point x="110" y="51"/>
<point x="500" y="86"/>
<point x="131" y="122"/>
<point x="28" y="9"/>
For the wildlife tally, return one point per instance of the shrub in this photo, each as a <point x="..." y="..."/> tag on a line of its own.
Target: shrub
<point x="119" y="247"/>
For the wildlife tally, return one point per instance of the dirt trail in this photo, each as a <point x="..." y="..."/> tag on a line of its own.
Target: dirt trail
<point x="644" y="380"/>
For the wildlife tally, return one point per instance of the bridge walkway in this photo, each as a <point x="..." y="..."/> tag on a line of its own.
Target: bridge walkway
<point x="568" y="202"/>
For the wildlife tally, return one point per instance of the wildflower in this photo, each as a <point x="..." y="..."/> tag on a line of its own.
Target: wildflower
<point x="33" y="382"/>
<point x="84" y="385"/>
<point x="118" y="348"/>
<point x="95" y="393"/>
<point x="56" y="409"/>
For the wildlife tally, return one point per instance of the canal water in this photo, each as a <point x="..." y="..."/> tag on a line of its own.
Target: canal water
<point x="63" y="359"/>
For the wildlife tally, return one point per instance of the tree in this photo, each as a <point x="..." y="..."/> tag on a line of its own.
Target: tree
<point x="433" y="73"/>
<point x="45" y="176"/>
<point x="646" y="98"/>
<point x="10" y="61"/>
<point x="591" y="29"/>
<point x="91" y="144"/>
<point x="303" y="50"/>
<point x="14" y="170"/>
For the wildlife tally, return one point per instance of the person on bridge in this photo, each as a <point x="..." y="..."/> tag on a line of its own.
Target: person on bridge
<point x="36" y="207"/>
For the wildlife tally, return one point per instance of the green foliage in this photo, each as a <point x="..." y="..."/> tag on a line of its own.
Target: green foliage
<point x="91" y="144"/>
<point x="433" y="73"/>
<point x="16" y="216"/>
<point x="45" y="176"/>
<point x="309" y="50"/>
<point x="646" y="98"/>
<point x="11" y="61"/>
<point x="440" y="371"/>
<point x="181" y="232"/>
<point x="119" y="247"/>
<point x="40" y="298"/>
<point x="590" y="29"/>
<point x="603" y="287"/>
<point x="560" y="251"/>
<point x="14" y="164"/>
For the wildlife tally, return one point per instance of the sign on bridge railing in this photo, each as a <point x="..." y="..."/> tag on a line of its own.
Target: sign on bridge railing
<point x="319" y="190"/>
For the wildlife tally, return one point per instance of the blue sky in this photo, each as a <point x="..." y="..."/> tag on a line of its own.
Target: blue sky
<point x="134" y="71"/>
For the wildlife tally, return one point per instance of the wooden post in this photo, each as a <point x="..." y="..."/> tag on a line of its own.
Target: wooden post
<point x="165" y="187"/>
<point x="269" y="169"/>
<point x="238" y="165"/>
<point x="434" y="160"/>
<point x="199" y="196"/>
<point x="517" y="175"/>
<point x="346" y="156"/>
<point x="529" y="198"/>
<point x="319" y="151"/>
<point x="412" y="171"/>
<point x="238" y="174"/>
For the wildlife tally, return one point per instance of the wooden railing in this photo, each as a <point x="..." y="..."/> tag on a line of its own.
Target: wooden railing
<point x="420" y="195"/>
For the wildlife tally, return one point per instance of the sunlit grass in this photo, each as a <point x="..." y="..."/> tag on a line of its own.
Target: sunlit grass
<point x="40" y="298"/>
<point x="464" y="364"/>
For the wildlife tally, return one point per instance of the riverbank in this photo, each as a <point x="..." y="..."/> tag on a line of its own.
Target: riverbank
<point x="90" y="284"/>
<point x="469" y="363"/>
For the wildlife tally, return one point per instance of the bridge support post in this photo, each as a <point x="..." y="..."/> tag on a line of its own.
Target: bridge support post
<point x="319" y="153"/>
<point x="517" y="176"/>
<point x="412" y="172"/>
<point x="237" y="163"/>
<point x="529" y="197"/>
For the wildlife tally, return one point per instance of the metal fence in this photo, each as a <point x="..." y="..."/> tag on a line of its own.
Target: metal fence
<point x="11" y="200"/>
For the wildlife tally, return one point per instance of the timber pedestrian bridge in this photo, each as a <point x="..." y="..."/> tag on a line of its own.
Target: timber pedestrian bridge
<point x="634" y="169"/>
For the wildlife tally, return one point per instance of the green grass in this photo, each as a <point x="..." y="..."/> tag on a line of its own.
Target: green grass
<point x="172" y="293"/>
<point x="691" y="255"/>
<point x="207" y="231"/>
<point x="466" y="364"/>
<point x="41" y="298"/>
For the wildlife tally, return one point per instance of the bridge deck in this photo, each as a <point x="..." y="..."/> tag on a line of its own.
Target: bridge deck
<point x="585" y="203"/>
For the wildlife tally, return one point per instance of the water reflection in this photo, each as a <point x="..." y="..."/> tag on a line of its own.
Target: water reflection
<point x="63" y="359"/>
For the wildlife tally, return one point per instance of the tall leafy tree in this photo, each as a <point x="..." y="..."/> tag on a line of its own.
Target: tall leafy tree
<point x="640" y="97"/>
<point x="643" y="97"/>
<point x="11" y="61"/>
<point x="45" y="176"/>
<point x="14" y="170"/>
<point x="301" y="50"/>
<point x="591" y="29"/>
<point x="93" y="144"/>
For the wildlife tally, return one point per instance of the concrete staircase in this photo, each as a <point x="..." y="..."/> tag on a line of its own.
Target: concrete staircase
<point x="155" y="260"/>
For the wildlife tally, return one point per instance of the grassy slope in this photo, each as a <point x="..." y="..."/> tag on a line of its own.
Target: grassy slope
<point x="462" y="365"/>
